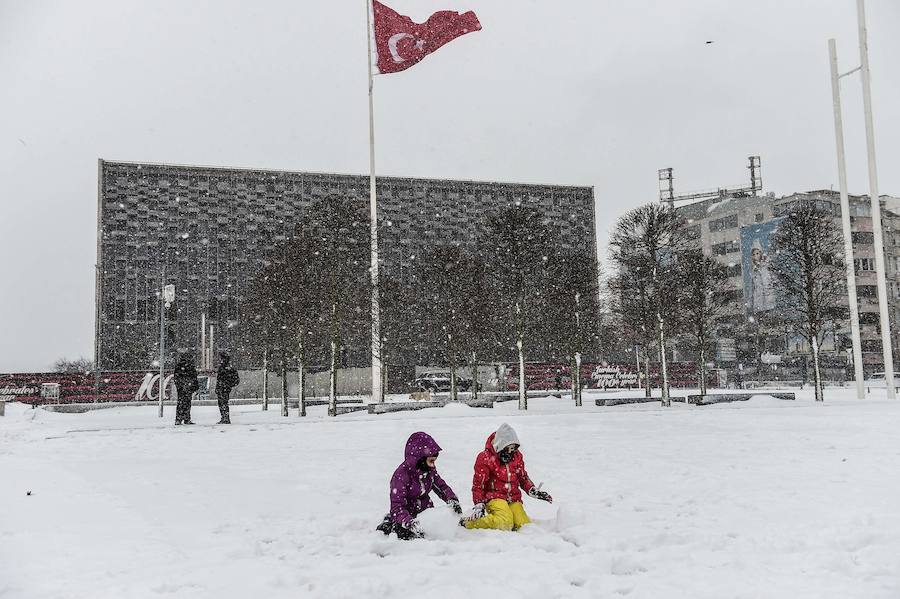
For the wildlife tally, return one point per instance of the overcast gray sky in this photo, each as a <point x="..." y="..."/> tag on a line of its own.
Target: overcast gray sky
<point x="587" y="92"/>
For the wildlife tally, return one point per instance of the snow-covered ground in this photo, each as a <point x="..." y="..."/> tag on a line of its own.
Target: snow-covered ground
<point x="765" y="499"/>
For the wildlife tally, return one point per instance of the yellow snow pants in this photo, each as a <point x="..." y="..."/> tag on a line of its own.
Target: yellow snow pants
<point x="501" y="515"/>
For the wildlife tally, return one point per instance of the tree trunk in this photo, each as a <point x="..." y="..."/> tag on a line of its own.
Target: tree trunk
<point x="332" y="369"/>
<point x="576" y="380"/>
<point x="520" y="347"/>
<point x="284" y="393"/>
<point x="816" y="372"/>
<point x="301" y="376"/>
<point x="523" y="395"/>
<point x="474" y="376"/>
<point x="666" y="401"/>
<point x="452" y="356"/>
<point x="265" y="389"/>
<point x="648" y="387"/>
<point x="702" y="368"/>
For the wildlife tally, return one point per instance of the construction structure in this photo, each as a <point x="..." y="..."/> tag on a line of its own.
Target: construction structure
<point x="668" y="196"/>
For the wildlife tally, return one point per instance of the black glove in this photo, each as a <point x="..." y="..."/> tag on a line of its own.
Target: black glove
<point x="542" y="495"/>
<point x="454" y="505"/>
<point x="409" y="531"/>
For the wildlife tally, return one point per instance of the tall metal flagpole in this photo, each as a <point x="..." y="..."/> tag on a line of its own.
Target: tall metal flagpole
<point x="845" y="223"/>
<point x="887" y="351"/>
<point x="377" y="395"/>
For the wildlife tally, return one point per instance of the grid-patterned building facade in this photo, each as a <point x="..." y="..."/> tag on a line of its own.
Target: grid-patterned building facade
<point x="207" y="229"/>
<point x="716" y="225"/>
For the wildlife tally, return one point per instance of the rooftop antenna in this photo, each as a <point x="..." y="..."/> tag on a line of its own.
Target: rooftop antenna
<point x="668" y="196"/>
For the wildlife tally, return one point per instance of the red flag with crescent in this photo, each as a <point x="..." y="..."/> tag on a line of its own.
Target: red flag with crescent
<point x="400" y="42"/>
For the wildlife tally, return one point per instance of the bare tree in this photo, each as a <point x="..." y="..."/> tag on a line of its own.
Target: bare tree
<point x="572" y="311"/>
<point x="81" y="364"/>
<point x="809" y="275"/>
<point x="518" y="243"/>
<point x="454" y="307"/>
<point x="339" y="229"/>
<point x="643" y="246"/>
<point x="705" y="298"/>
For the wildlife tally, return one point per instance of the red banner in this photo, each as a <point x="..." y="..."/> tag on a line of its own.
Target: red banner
<point x="400" y="42"/>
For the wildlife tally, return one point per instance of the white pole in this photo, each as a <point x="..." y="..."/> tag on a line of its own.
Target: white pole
<point x="203" y="341"/>
<point x="637" y="363"/>
<point x="887" y="351"/>
<point x="377" y="395"/>
<point x="212" y="345"/>
<point x="845" y="224"/>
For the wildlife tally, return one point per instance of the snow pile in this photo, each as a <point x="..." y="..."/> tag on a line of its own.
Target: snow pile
<point x="764" y="498"/>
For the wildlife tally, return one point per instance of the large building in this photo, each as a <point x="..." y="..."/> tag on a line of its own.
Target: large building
<point x="208" y="229"/>
<point x="733" y="229"/>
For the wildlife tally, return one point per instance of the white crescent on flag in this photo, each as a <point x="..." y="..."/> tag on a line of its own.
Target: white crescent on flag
<point x="392" y="45"/>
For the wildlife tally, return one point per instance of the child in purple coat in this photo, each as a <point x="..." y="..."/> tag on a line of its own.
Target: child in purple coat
<point x="413" y="480"/>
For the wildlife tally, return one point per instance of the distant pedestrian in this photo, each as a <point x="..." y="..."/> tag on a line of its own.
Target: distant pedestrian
<point x="226" y="379"/>
<point x="186" y="384"/>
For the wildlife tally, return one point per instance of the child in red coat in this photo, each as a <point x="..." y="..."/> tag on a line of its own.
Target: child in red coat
<point x="499" y="474"/>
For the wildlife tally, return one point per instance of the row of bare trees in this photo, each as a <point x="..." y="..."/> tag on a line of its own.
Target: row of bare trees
<point x="513" y="295"/>
<point x="663" y="286"/>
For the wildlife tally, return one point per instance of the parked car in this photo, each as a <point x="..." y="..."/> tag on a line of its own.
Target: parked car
<point x="439" y="382"/>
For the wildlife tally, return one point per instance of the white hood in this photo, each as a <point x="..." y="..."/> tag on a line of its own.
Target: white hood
<point x="504" y="436"/>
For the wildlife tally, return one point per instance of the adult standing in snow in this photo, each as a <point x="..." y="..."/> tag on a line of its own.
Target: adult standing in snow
<point x="185" y="384"/>
<point x="227" y="378"/>
<point x="411" y="484"/>
<point x="499" y="474"/>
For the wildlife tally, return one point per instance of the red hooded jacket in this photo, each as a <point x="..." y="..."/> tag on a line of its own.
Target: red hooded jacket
<point x="495" y="480"/>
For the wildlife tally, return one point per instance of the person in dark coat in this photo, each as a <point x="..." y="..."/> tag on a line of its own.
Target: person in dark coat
<point x="411" y="484"/>
<point x="186" y="384"/>
<point x="226" y="379"/>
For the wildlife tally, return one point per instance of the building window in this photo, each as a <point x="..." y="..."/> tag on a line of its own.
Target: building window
<point x="759" y="217"/>
<point x="864" y="264"/>
<point x="866" y="291"/>
<point x="691" y="233"/>
<point x="735" y="270"/>
<point x="727" y="247"/>
<point x="726" y="222"/>
<point x="863" y="237"/>
<point x="860" y="208"/>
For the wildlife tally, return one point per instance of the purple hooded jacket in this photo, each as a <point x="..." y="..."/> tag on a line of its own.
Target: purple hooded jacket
<point x="411" y="485"/>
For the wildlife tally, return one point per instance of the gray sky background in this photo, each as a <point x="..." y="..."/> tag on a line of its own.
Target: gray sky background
<point x="587" y="92"/>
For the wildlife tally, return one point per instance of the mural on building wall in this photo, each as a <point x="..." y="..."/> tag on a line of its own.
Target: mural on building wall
<point x="759" y="283"/>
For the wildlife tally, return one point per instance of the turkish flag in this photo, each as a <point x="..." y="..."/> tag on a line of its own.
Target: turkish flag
<point x="400" y="42"/>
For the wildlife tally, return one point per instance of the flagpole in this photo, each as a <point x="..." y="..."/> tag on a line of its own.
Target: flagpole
<point x="849" y="264"/>
<point x="881" y="284"/>
<point x="377" y="395"/>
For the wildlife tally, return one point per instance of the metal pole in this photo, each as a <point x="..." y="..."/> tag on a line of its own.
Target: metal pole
<point x="886" y="349"/>
<point x="212" y="344"/>
<point x="98" y="283"/>
<point x="377" y="395"/>
<point x="845" y="223"/>
<point x="203" y="341"/>
<point x="162" y="339"/>
<point x="97" y="332"/>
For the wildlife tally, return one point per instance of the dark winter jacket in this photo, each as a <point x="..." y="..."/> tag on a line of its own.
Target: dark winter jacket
<point x="226" y="378"/>
<point x="495" y="480"/>
<point x="413" y="481"/>
<point x="186" y="376"/>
